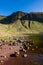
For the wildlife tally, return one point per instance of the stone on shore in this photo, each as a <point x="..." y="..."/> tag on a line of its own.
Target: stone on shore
<point x="25" y="55"/>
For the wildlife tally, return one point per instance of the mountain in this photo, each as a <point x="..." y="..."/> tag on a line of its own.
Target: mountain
<point x="2" y="17"/>
<point x="34" y="16"/>
<point x="21" y="22"/>
<point x="13" y="17"/>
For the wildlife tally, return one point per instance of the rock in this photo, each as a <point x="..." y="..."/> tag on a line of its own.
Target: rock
<point x="19" y="41"/>
<point x="13" y="43"/>
<point x="33" y="49"/>
<point x="2" y="61"/>
<point x="27" y="47"/>
<point x="26" y="41"/>
<point x="12" y="55"/>
<point x="30" y="45"/>
<point x="17" y="53"/>
<point x="36" y="47"/>
<point x="24" y="50"/>
<point x="21" y="47"/>
<point x="25" y="55"/>
<point x="5" y="56"/>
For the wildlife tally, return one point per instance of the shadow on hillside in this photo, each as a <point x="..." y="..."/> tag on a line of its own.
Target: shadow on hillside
<point x="33" y="17"/>
<point x="13" y="18"/>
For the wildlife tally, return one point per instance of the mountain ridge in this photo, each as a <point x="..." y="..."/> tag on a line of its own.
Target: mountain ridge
<point x="35" y="16"/>
<point x="21" y="22"/>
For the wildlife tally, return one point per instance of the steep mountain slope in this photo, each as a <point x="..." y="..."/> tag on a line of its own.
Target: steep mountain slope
<point x="13" y="17"/>
<point x="21" y="22"/>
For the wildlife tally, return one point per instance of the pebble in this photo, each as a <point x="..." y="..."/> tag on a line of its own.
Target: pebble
<point x="24" y="50"/>
<point x="30" y="45"/>
<point x="33" y="49"/>
<point x="25" y="55"/>
<point x="28" y="48"/>
<point x="5" y="57"/>
<point x="17" y="53"/>
<point x="36" y="47"/>
<point x="2" y="61"/>
<point x="21" y="47"/>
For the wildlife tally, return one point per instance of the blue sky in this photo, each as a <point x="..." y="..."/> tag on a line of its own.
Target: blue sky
<point x="9" y="6"/>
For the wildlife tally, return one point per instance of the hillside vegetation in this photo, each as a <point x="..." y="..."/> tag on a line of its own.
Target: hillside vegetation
<point x="20" y="23"/>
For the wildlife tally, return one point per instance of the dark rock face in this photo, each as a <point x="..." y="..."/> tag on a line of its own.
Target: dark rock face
<point x="13" y="17"/>
<point x="22" y="16"/>
<point x="37" y="17"/>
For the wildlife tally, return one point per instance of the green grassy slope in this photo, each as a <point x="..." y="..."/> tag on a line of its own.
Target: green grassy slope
<point x="18" y="28"/>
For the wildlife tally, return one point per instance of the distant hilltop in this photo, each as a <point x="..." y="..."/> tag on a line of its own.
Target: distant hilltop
<point x="34" y="16"/>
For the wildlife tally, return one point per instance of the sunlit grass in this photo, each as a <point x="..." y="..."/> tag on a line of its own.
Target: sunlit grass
<point x="18" y="28"/>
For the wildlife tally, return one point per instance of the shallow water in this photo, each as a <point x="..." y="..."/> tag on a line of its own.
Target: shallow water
<point x="37" y="38"/>
<point x="29" y="60"/>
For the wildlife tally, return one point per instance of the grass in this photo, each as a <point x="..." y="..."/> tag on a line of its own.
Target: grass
<point x="8" y="30"/>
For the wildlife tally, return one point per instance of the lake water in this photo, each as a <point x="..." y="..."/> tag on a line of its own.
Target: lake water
<point x="29" y="60"/>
